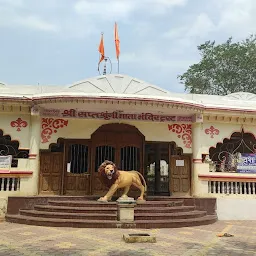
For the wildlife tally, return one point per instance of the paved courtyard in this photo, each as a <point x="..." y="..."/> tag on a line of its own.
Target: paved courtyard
<point x="16" y="239"/>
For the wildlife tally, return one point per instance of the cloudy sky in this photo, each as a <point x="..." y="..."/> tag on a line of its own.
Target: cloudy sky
<point x="55" y="42"/>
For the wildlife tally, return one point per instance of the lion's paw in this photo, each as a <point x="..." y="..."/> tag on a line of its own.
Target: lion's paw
<point x="103" y="200"/>
<point x="141" y="200"/>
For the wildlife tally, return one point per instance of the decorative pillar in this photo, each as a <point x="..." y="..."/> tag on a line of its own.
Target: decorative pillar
<point x="197" y="156"/>
<point x="35" y="130"/>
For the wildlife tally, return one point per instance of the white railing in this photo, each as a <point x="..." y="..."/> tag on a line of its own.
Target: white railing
<point x="9" y="184"/>
<point x="232" y="187"/>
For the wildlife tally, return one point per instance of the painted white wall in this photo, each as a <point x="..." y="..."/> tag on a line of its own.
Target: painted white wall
<point x="83" y="129"/>
<point x="236" y="208"/>
<point x="23" y="136"/>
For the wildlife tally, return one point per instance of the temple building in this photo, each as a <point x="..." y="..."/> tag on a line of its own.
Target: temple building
<point x="53" y="138"/>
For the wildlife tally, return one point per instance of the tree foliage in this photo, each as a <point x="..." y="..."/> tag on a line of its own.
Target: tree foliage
<point x="223" y="69"/>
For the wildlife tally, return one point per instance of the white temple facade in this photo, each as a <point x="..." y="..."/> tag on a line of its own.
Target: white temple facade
<point x="53" y="138"/>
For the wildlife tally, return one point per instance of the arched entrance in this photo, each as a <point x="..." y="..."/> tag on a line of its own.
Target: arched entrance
<point x="70" y="166"/>
<point x="121" y="143"/>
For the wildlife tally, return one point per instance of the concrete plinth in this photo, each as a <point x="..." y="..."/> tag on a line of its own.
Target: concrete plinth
<point x="126" y="212"/>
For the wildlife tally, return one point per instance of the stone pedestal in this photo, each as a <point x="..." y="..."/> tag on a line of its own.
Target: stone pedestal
<point x="126" y="212"/>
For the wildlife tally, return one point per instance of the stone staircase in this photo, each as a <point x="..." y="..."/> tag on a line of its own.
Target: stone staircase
<point x="85" y="213"/>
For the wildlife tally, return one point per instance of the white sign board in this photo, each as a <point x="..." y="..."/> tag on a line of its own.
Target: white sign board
<point x="68" y="167"/>
<point x="5" y="163"/>
<point x="179" y="162"/>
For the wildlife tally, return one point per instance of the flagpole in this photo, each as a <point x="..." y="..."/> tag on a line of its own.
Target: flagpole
<point x="118" y="65"/>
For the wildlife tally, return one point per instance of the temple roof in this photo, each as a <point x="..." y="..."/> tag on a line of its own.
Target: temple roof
<point x="123" y="86"/>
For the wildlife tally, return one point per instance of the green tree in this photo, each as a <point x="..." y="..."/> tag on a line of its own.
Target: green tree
<point x="223" y="69"/>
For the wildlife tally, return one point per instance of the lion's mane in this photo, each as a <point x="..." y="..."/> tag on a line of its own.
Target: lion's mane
<point x="103" y="177"/>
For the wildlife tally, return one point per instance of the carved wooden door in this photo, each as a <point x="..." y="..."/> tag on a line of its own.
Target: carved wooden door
<point x="104" y="148"/>
<point x="180" y="175"/>
<point x="50" y="177"/>
<point x="77" y="170"/>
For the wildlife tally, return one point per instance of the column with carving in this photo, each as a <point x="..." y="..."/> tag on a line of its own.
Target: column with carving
<point x="197" y="132"/>
<point x="35" y="130"/>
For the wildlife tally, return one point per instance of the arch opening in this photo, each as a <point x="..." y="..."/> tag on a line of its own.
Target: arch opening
<point x="227" y="156"/>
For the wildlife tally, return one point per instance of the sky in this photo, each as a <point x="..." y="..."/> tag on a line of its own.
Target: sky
<point x="55" y="42"/>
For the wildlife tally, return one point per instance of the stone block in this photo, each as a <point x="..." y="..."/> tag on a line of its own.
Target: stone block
<point x="139" y="238"/>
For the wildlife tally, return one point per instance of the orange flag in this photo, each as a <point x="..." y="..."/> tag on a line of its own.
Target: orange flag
<point x="101" y="49"/>
<point x="117" y="42"/>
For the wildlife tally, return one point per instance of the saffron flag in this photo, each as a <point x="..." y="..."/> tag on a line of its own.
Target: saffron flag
<point x="101" y="49"/>
<point x="117" y="42"/>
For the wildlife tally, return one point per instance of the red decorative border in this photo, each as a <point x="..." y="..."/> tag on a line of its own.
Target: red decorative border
<point x="19" y="123"/>
<point x="199" y="106"/>
<point x="32" y="156"/>
<point x="212" y="131"/>
<point x="184" y="132"/>
<point x="15" y="172"/>
<point x="50" y="126"/>
<point x="197" y="160"/>
<point x="205" y="176"/>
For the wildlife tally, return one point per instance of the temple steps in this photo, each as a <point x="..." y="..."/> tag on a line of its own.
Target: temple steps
<point x="72" y="209"/>
<point x="81" y="223"/>
<point x="70" y="215"/>
<point x="166" y="216"/>
<point x="82" y="203"/>
<point x="176" y="223"/>
<point x="87" y="213"/>
<point x="166" y="209"/>
<point x="111" y="204"/>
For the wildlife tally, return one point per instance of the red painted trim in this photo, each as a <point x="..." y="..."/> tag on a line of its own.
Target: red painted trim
<point x="227" y="176"/>
<point x="32" y="156"/>
<point x="15" y="172"/>
<point x="118" y="99"/>
<point x="14" y="99"/>
<point x="200" y="106"/>
<point x="197" y="160"/>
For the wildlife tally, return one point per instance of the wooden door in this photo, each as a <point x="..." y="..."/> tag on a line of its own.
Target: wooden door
<point x="77" y="171"/>
<point x="104" y="148"/>
<point x="120" y="143"/>
<point x="50" y="177"/>
<point x="180" y="175"/>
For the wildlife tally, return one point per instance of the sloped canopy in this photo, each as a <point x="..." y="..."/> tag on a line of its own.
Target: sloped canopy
<point x="120" y="84"/>
<point x="241" y="96"/>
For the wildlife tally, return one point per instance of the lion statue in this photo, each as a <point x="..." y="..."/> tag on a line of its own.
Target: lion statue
<point x="115" y="179"/>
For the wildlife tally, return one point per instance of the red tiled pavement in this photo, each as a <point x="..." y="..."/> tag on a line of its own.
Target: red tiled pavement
<point x="16" y="240"/>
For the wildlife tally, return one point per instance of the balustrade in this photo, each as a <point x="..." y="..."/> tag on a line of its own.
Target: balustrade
<point x="9" y="184"/>
<point x="232" y="187"/>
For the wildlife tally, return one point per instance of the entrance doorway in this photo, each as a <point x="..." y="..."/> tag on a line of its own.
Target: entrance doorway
<point x="70" y="166"/>
<point x="76" y="177"/>
<point x="180" y="175"/>
<point x="121" y="143"/>
<point x="163" y="177"/>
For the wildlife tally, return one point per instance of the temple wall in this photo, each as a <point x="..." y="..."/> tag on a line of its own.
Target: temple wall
<point x="17" y="126"/>
<point x="83" y="129"/>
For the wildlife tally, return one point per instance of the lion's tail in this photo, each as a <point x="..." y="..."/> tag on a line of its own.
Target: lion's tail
<point x="145" y="184"/>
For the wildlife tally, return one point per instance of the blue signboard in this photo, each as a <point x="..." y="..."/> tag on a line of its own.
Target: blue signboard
<point x="246" y="163"/>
